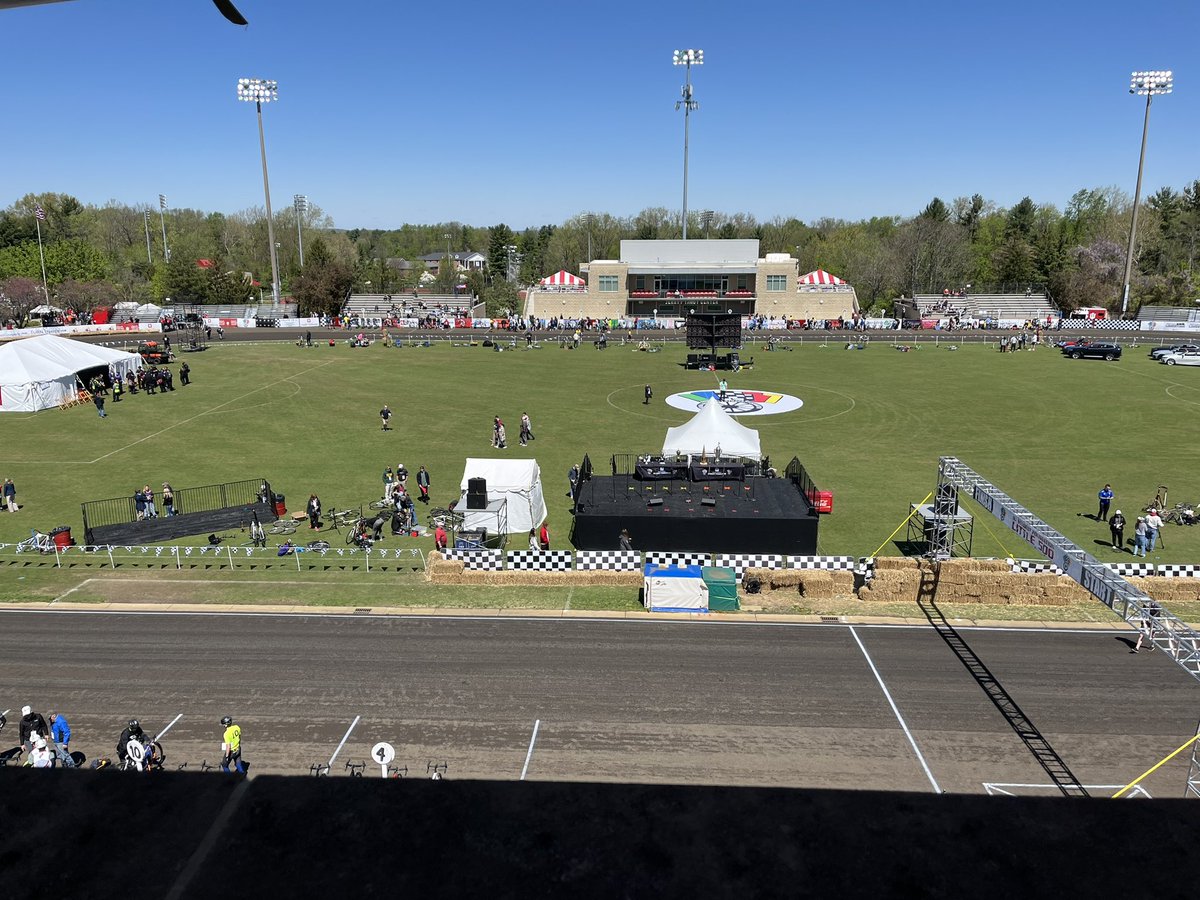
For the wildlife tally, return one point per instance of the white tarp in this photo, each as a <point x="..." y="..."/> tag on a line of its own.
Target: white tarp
<point x="674" y="589"/>
<point x="710" y="430"/>
<point x="40" y="372"/>
<point x="518" y="481"/>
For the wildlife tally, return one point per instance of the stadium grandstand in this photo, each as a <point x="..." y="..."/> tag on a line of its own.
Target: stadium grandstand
<point x="984" y="307"/>
<point x="404" y="305"/>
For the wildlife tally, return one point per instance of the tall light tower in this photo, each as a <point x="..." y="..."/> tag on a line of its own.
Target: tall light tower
<point x="258" y="92"/>
<point x="589" y="220"/>
<point x="301" y="203"/>
<point x="146" y="219"/>
<point x="162" y="218"/>
<point x="686" y="58"/>
<point x="1148" y="85"/>
<point x="706" y="218"/>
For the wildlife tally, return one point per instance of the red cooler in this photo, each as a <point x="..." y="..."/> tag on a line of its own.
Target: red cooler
<point x="823" y="501"/>
<point x="61" y="537"/>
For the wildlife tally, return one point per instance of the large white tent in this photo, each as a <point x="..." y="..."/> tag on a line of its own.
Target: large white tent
<point x="516" y="481"/>
<point x="40" y="372"/>
<point x="710" y="430"/>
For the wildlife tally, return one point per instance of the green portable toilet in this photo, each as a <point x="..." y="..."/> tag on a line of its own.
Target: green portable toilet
<point x="722" y="589"/>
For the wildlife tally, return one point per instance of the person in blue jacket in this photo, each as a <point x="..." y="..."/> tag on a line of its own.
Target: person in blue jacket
<point x="1106" y="496"/>
<point x="60" y="730"/>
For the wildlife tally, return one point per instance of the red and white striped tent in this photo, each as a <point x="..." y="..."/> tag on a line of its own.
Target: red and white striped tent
<point x="820" y="276"/>
<point x="563" y="278"/>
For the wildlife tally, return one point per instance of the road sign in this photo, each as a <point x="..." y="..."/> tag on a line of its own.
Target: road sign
<point x="383" y="753"/>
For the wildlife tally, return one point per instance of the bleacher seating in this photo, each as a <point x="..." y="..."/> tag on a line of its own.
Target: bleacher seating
<point x="1167" y="314"/>
<point x="991" y="306"/>
<point x="378" y="304"/>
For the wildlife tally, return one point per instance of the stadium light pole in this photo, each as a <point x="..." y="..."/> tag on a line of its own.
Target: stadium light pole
<point x="301" y="203"/>
<point x="162" y="210"/>
<point x="706" y="217"/>
<point x="258" y="92"/>
<point x="686" y="58"/>
<point x="589" y="220"/>
<point x="149" y="257"/>
<point x="1148" y="85"/>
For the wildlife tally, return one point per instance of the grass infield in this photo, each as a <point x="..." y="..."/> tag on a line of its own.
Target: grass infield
<point x="1047" y="430"/>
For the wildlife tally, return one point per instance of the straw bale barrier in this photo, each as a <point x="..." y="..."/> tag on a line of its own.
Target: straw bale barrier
<point x="812" y="584"/>
<point x="444" y="571"/>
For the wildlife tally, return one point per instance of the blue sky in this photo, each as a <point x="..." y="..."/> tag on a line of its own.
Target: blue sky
<point x="532" y="112"/>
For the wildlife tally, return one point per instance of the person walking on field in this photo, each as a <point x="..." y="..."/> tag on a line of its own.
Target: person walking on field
<point x="1106" y="496"/>
<point x="423" y="484"/>
<point x="231" y="747"/>
<point x="385" y="414"/>
<point x="1116" y="526"/>
<point x="648" y="394"/>
<point x="10" y="495"/>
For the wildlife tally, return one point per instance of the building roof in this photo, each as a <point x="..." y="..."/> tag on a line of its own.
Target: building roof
<point x="659" y="257"/>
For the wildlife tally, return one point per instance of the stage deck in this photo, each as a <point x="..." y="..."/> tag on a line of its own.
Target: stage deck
<point x="758" y="515"/>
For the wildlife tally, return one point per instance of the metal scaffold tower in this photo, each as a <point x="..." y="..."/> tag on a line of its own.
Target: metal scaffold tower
<point x="1172" y="635"/>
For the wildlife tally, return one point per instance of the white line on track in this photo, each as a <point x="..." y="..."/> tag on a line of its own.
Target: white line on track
<point x="899" y="718"/>
<point x="318" y="613"/>
<point x="211" y="411"/>
<point x="532" y="740"/>
<point x="72" y="590"/>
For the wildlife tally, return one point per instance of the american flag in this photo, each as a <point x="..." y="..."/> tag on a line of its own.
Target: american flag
<point x="39" y="212"/>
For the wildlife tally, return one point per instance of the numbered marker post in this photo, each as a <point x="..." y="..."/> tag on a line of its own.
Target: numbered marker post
<point x="383" y="753"/>
<point x="136" y="752"/>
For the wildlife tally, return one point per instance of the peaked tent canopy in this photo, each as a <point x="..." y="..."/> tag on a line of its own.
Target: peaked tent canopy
<point x="517" y="481"/>
<point x="820" y="276"/>
<point x="40" y="372"/>
<point x="563" y="278"/>
<point x="710" y="430"/>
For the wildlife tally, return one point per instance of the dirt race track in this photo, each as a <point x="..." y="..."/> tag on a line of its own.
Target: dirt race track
<point x="778" y="705"/>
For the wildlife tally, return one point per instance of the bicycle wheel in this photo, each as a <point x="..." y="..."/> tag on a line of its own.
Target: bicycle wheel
<point x="380" y="504"/>
<point x="283" y="527"/>
<point x="352" y="535"/>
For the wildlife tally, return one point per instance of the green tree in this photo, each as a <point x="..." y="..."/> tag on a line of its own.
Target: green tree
<point x="325" y="283"/>
<point x="500" y="238"/>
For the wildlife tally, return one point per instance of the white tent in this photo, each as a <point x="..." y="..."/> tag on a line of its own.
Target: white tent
<point x="40" y="372"/>
<point x="710" y="430"/>
<point x="149" y="309"/>
<point x="517" y="481"/>
<point x="43" y="309"/>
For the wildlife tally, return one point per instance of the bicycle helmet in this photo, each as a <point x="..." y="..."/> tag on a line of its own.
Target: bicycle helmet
<point x="134" y="725"/>
<point x="226" y="720"/>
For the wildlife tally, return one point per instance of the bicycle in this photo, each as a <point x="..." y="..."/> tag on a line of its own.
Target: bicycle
<point x="1160" y="499"/>
<point x="36" y="541"/>
<point x="383" y="503"/>
<point x="360" y="534"/>
<point x="283" y="526"/>
<point x="340" y="518"/>
<point x="1176" y="516"/>
<point x="356" y="769"/>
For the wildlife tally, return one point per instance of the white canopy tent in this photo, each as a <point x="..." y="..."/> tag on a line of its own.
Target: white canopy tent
<point x="516" y="481"/>
<point x="40" y="372"/>
<point x="710" y="430"/>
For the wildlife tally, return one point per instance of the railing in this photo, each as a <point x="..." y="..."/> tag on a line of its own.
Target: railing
<point x="798" y="475"/>
<point x="122" y="510"/>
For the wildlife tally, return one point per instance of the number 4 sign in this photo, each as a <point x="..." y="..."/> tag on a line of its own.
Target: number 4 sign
<point x="383" y="753"/>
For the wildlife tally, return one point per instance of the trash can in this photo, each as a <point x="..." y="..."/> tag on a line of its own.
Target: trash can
<point x="280" y="508"/>
<point x="62" y="537"/>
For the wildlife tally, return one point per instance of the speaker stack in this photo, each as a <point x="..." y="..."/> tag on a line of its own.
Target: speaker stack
<point x="477" y="493"/>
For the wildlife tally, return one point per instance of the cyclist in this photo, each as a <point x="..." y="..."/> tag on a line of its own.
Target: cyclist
<point x="231" y="747"/>
<point x="133" y="731"/>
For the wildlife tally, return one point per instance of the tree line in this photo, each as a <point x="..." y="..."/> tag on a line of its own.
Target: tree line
<point x="98" y="255"/>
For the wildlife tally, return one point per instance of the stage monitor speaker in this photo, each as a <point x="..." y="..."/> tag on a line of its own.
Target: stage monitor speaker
<point x="477" y="493"/>
<point x="657" y="501"/>
<point x="709" y="501"/>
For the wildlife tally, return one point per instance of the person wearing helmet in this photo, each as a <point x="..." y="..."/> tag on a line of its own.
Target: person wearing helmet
<point x="32" y="725"/>
<point x="133" y="731"/>
<point x="39" y="754"/>
<point x="231" y="746"/>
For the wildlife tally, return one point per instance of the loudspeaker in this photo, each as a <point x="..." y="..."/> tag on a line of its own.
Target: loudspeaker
<point x="657" y="501"/>
<point x="709" y="501"/>
<point x="477" y="493"/>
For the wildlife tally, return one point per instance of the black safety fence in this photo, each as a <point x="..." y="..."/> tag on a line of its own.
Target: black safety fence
<point x="208" y="497"/>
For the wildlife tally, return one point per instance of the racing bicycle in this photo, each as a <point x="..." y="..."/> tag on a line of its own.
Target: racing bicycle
<point x="36" y="541"/>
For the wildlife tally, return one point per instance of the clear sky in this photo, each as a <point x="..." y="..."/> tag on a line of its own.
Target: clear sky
<point x="530" y="112"/>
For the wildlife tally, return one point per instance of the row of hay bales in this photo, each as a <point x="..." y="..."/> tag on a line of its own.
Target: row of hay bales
<point x="993" y="581"/>
<point x="897" y="579"/>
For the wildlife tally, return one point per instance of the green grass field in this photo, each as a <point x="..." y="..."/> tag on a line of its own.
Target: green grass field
<point x="1047" y="430"/>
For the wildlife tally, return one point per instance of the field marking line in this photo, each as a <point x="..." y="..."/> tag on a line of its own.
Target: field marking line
<point x="892" y="703"/>
<point x="345" y="737"/>
<point x="72" y="590"/>
<point x="205" y="847"/>
<point x="210" y="411"/>
<point x="532" y="740"/>
<point x="570" y="594"/>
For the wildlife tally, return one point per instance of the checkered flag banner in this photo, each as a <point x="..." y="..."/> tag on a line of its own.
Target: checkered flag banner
<point x="38" y="212"/>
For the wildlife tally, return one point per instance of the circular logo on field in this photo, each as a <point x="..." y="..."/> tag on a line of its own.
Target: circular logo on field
<point x="740" y="402"/>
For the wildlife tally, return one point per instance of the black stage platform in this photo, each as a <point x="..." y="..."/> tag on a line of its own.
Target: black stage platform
<point x="757" y="515"/>
<point x="169" y="528"/>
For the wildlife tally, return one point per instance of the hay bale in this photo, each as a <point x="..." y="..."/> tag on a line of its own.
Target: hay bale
<point x="894" y="563"/>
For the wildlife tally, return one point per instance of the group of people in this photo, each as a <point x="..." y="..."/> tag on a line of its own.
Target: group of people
<point x="149" y="379"/>
<point x="500" y="433"/>
<point x="144" y="506"/>
<point x="1145" y="530"/>
<point x="1017" y="341"/>
<point x="46" y="743"/>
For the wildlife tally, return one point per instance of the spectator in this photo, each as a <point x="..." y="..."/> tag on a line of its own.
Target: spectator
<point x="10" y="495"/>
<point x="1140" y="536"/>
<point x="185" y="374"/>
<point x="624" y="541"/>
<point x="423" y="484"/>
<point x="151" y="509"/>
<point x="544" y="537"/>
<point x="139" y="504"/>
<point x="1153" y="524"/>
<point x="60" y="730"/>
<point x="32" y="725"/>
<point x="439" y="538"/>
<point x="1117" y="527"/>
<point x="1106" y="496"/>
<point x="533" y="540"/>
<point x="313" y="508"/>
<point x="168" y="499"/>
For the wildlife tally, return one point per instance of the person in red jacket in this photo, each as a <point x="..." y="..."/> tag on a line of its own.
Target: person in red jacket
<point x="544" y="537"/>
<point x="439" y="537"/>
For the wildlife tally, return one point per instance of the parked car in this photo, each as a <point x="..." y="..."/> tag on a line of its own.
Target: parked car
<point x="1159" y="352"/>
<point x="1093" y="350"/>
<point x="1181" y="358"/>
<point x="153" y="353"/>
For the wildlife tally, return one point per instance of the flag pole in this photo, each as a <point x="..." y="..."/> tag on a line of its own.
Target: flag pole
<point x="37" y="220"/>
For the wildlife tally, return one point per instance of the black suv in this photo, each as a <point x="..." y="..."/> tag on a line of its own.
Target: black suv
<point x="1093" y="350"/>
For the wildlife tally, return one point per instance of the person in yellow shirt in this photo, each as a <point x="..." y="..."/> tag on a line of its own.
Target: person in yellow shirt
<point x="231" y="747"/>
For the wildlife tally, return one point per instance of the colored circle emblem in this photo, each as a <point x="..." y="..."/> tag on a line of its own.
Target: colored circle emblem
<point x="740" y="402"/>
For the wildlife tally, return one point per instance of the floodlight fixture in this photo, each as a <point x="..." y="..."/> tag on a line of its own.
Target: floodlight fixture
<point x="301" y="203"/>
<point x="258" y="92"/>
<point x="686" y="58"/>
<point x="162" y="219"/>
<point x="1148" y="84"/>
